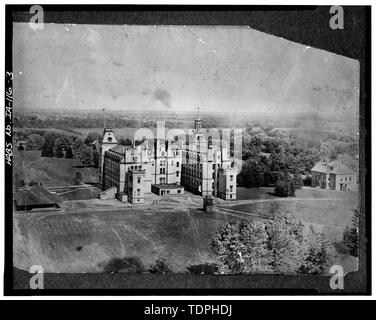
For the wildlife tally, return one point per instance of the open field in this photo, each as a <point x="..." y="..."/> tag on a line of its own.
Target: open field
<point x="84" y="236"/>
<point x="30" y="166"/>
<point x="85" y="242"/>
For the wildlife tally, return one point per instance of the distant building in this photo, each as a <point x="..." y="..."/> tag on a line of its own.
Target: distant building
<point x="334" y="176"/>
<point x="164" y="166"/>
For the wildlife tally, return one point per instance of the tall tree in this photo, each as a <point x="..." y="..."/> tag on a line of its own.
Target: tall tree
<point x="351" y="235"/>
<point x="48" y="146"/>
<point x="242" y="247"/>
<point x="85" y="155"/>
<point x="35" y="141"/>
<point x="281" y="245"/>
<point x="91" y="137"/>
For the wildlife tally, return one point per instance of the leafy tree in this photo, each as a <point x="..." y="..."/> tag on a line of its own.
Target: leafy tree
<point x="48" y="146"/>
<point x="124" y="265"/>
<point x="242" y="247"/>
<point x="298" y="181"/>
<point x="318" y="256"/>
<point x="285" y="187"/>
<point x="125" y="141"/>
<point x="351" y="235"/>
<point x="77" y="143"/>
<point x="281" y="245"/>
<point x="286" y="243"/>
<point x="95" y="158"/>
<point x="69" y="153"/>
<point x="307" y="181"/>
<point x="160" y="266"/>
<point x="59" y="146"/>
<point x="84" y="155"/>
<point x="35" y="141"/>
<point x="91" y="137"/>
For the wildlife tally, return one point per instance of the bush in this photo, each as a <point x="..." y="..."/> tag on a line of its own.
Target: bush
<point x="124" y="265"/>
<point x="205" y="268"/>
<point x="160" y="266"/>
<point x="298" y="180"/>
<point x="285" y="187"/>
<point x="307" y="181"/>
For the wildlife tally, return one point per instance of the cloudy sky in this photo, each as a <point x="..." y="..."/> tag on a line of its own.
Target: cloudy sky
<point x="225" y="69"/>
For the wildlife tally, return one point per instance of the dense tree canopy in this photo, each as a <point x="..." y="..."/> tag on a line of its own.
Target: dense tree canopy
<point x="280" y="245"/>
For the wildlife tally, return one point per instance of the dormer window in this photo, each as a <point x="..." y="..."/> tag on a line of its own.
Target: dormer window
<point x="109" y="139"/>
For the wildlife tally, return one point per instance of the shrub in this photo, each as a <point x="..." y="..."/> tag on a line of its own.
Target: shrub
<point x="204" y="268"/>
<point x="285" y="187"/>
<point x="160" y="266"/>
<point x="124" y="265"/>
<point x="307" y="181"/>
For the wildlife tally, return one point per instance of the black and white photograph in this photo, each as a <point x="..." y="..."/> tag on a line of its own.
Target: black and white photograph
<point x="143" y="149"/>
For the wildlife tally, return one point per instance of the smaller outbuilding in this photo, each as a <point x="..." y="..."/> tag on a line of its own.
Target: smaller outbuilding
<point x="334" y="176"/>
<point x="167" y="189"/>
<point x="34" y="198"/>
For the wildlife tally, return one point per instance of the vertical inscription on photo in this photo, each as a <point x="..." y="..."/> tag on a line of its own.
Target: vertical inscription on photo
<point x="8" y="117"/>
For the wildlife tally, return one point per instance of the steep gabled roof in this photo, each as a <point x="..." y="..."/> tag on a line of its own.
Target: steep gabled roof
<point x="121" y="149"/>
<point x="335" y="167"/>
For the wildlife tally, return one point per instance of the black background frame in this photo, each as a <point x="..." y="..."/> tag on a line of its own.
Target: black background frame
<point x="308" y="25"/>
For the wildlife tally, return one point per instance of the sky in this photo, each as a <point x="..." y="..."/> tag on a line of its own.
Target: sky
<point x="177" y="68"/>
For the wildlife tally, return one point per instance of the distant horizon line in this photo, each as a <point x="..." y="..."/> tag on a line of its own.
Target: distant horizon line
<point x="177" y="111"/>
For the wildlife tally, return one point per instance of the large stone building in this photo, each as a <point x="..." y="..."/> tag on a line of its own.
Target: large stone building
<point x="164" y="167"/>
<point x="207" y="168"/>
<point x="334" y="176"/>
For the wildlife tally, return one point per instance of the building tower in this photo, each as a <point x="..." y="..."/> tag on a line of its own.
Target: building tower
<point x="107" y="142"/>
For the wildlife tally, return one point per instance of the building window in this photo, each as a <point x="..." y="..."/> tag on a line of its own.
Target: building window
<point x="138" y="192"/>
<point x="177" y="163"/>
<point x="230" y="196"/>
<point x="179" y="191"/>
<point x="231" y="178"/>
<point x="345" y="178"/>
<point x="177" y="173"/>
<point x="349" y="178"/>
<point x="231" y="188"/>
<point x="138" y="179"/>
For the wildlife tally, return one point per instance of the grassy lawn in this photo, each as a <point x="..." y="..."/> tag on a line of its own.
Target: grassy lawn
<point x="254" y="193"/>
<point x="30" y="166"/>
<point x="85" y="242"/>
